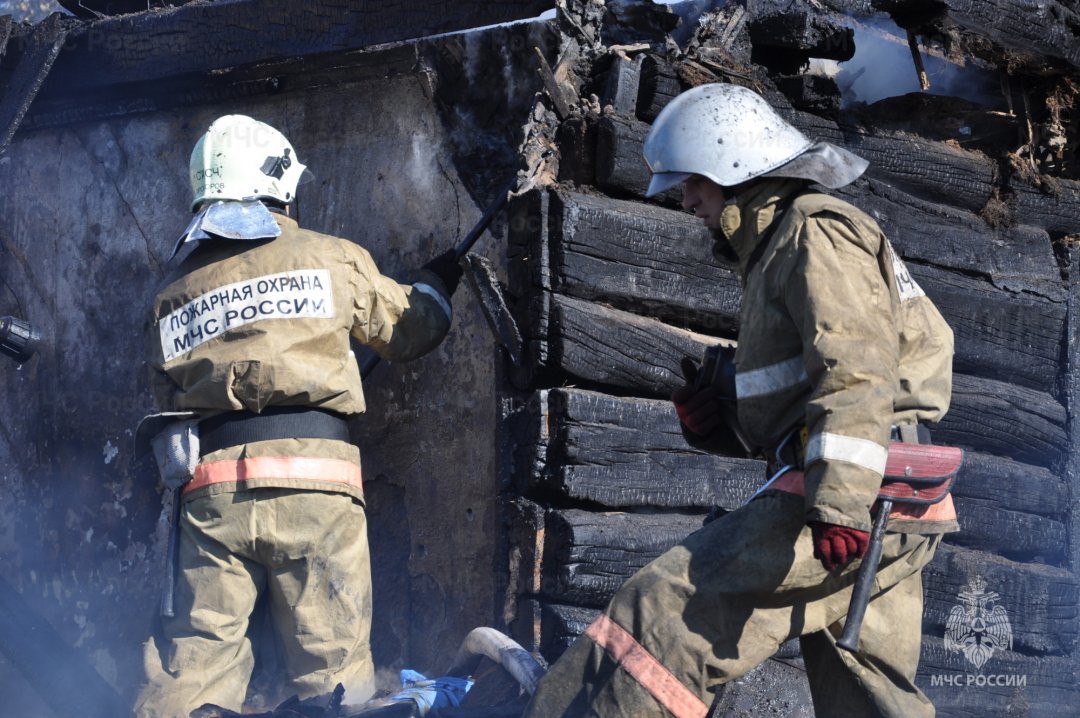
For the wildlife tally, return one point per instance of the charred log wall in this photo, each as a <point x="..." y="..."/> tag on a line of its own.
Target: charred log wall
<point x="612" y="290"/>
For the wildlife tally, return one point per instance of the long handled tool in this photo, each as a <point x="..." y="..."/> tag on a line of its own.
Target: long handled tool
<point x="463" y="248"/>
<point x="864" y="581"/>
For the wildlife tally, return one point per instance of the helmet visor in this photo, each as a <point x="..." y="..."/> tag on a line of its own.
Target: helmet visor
<point x="662" y="181"/>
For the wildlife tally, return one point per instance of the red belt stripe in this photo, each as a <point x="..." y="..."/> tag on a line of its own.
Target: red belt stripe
<point x="304" y="468"/>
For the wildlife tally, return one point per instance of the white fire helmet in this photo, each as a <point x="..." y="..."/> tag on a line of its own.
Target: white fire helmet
<point x="240" y="158"/>
<point x="730" y="134"/>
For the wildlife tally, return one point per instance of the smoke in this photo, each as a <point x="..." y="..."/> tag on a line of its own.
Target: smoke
<point x="883" y="67"/>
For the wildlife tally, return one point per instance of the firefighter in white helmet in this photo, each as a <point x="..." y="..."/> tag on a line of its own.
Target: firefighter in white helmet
<point x="249" y="351"/>
<point x="839" y="353"/>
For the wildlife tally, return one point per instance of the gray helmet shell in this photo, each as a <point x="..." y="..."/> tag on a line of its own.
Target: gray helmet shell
<point x="730" y="134"/>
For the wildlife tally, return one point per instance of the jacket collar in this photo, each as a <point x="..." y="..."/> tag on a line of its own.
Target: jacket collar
<point x="752" y="212"/>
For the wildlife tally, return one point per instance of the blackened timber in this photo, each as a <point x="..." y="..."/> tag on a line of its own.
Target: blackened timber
<point x="201" y="38"/>
<point x="1020" y="258"/>
<point x="622" y="452"/>
<point x="34" y="64"/>
<point x="620" y="84"/>
<point x="632" y="255"/>
<point x="560" y="625"/>
<point x="1011" y="485"/>
<point x="613" y="347"/>
<point x="1014" y="534"/>
<point x="620" y="167"/>
<point x="650" y="260"/>
<point x="620" y="349"/>
<point x="1055" y="206"/>
<point x="658" y="86"/>
<point x="1013" y="337"/>
<point x="1005" y="419"/>
<point x="587" y="556"/>
<point x="931" y="231"/>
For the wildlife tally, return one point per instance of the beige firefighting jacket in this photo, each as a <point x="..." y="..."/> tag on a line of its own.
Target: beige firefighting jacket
<point x="836" y="337"/>
<point x="249" y="325"/>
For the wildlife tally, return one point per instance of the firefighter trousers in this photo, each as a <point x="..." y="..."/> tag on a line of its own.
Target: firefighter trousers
<point x="715" y="606"/>
<point x="308" y="552"/>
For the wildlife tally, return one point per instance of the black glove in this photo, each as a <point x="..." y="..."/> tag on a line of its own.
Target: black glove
<point x="446" y="267"/>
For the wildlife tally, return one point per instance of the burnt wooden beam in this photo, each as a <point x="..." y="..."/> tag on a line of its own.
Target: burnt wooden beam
<point x="36" y="60"/>
<point x="202" y="38"/>
<point x="659" y="85"/>
<point x="610" y="346"/>
<point x="588" y="556"/>
<point x="626" y="254"/>
<point x="622" y="451"/>
<point x="786" y="40"/>
<point x="1054" y="206"/>
<point x="1018" y="259"/>
<point x="1023" y="424"/>
<point x="939" y="232"/>
<point x="620" y="83"/>
<point x="1012" y="337"/>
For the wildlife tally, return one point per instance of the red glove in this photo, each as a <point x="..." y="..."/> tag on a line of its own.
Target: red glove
<point x="697" y="409"/>
<point x="835" y="545"/>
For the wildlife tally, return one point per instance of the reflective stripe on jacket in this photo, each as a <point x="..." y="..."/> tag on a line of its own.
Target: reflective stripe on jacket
<point x="834" y="335"/>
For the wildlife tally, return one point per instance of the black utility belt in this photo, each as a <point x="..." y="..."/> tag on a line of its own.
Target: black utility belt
<point x="275" y="422"/>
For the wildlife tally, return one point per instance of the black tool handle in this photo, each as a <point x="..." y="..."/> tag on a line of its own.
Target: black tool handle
<point x="172" y="560"/>
<point x="460" y="251"/>
<point x="864" y="581"/>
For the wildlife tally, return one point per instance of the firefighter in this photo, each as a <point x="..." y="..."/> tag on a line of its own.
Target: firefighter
<point x="839" y="352"/>
<point x="250" y="335"/>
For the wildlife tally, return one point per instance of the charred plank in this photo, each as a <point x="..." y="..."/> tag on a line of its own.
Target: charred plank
<point x="622" y="452"/>
<point x="587" y="556"/>
<point x="613" y="347"/>
<point x="1012" y="337"/>
<point x="1014" y="534"/>
<point x="35" y="62"/>
<point x="1031" y="36"/>
<point x="1054" y="205"/>
<point x="935" y="171"/>
<point x="200" y="38"/>
<point x="658" y="86"/>
<point x="1004" y="419"/>
<point x="629" y="255"/>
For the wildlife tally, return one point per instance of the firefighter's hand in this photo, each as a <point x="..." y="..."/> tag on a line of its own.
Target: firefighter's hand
<point x="697" y="405"/>
<point x="447" y="268"/>
<point x="835" y="545"/>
